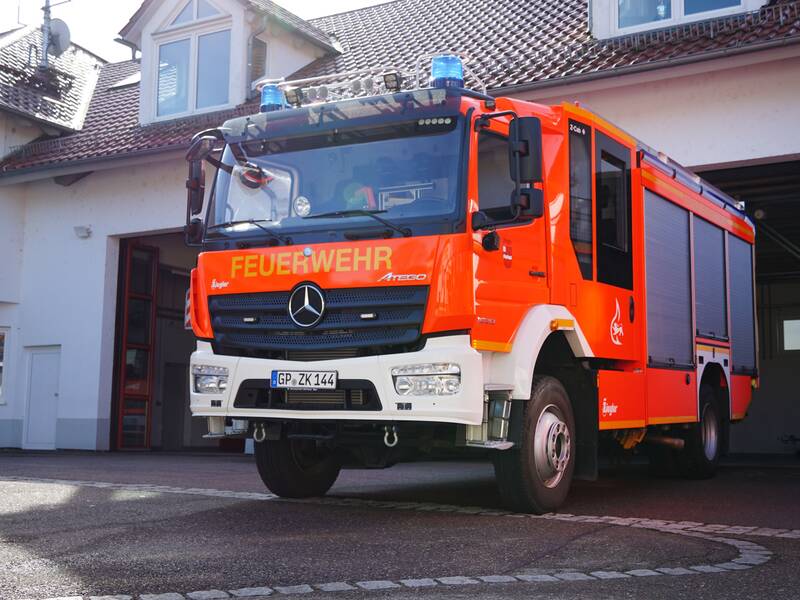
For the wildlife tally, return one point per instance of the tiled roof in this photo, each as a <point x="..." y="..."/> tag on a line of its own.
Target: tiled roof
<point x="294" y="22"/>
<point x="112" y="127"/>
<point x="515" y="42"/>
<point x="60" y="95"/>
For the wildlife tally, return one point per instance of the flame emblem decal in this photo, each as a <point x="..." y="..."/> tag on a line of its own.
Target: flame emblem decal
<point x="616" y="327"/>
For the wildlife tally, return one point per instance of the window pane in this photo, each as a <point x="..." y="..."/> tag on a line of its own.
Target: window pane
<point x="136" y="368"/>
<point x="612" y="214"/>
<point x="173" y="77"/>
<point x="2" y="354"/>
<point x="213" y="63"/>
<point x="139" y="321"/>
<point x="204" y="9"/>
<point x="791" y="334"/>
<point x="185" y="15"/>
<point x="494" y="182"/>
<point x="637" y="12"/>
<point x="141" y="272"/>
<point x="691" y="7"/>
<point x="580" y="194"/>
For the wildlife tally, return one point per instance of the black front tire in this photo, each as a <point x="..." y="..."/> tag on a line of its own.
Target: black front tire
<point x="296" y="468"/>
<point x="700" y="454"/>
<point x="535" y="475"/>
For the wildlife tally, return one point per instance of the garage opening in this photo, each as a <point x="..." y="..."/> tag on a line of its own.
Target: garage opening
<point x="153" y="346"/>
<point x="771" y="193"/>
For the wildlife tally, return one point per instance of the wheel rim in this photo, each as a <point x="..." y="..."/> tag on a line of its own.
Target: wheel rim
<point x="710" y="432"/>
<point x="551" y="447"/>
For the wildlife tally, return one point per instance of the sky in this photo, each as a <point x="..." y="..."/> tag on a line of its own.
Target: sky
<point x="94" y="24"/>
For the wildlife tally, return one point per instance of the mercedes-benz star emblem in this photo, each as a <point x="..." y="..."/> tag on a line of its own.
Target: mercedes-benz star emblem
<point x="306" y="305"/>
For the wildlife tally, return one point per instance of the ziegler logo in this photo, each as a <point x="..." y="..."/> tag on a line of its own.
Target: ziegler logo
<point x="404" y="277"/>
<point x="616" y="327"/>
<point x="219" y="285"/>
<point x="609" y="410"/>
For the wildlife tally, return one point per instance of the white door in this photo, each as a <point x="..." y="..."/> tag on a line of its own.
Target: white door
<point x="42" y="400"/>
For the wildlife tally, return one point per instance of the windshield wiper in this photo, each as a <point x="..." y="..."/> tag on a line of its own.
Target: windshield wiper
<point x="404" y="231"/>
<point x="257" y="223"/>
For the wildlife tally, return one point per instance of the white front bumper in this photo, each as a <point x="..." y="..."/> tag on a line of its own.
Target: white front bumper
<point x="466" y="407"/>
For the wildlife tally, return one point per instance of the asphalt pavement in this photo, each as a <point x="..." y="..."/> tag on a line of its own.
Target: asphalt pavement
<point x="203" y="527"/>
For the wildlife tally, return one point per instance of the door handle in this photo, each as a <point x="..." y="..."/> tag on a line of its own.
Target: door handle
<point x="631" y="309"/>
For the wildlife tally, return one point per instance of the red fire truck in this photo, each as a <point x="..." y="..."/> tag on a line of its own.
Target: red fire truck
<point x="389" y="272"/>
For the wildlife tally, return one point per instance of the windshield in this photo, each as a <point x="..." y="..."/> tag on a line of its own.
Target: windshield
<point x="406" y="173"/>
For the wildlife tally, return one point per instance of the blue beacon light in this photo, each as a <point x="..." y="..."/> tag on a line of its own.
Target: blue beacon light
<point x="447" y="71"/>
<point x="272" y="98"/>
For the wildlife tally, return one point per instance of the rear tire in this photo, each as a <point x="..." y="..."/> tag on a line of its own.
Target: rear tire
<point x="296" y="468"/>
<point x="535" y="475"/>
<point x="700" y="455"/>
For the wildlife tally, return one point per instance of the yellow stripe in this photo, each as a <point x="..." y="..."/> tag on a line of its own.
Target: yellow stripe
<point x="719" y="349"/>
<point x="667" y="420"/>
<point x="621" y="424"/>
<point x="492" y="346"/>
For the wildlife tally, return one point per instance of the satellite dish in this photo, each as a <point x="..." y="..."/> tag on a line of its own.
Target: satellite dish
<point x="59" y="37"/>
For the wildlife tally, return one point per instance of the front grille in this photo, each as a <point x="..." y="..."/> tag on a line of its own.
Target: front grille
<point x="259" y="324"/>
<point x="350" y="394"/>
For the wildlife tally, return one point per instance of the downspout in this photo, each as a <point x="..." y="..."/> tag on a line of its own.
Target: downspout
<point x="253" y="36"/>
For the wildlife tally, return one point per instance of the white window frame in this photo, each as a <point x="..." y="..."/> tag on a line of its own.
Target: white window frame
<point x="782" y="318"/>
<point x="6" y="333"/>
<point x="191" y="31"/>
<point x="678" y="17"/>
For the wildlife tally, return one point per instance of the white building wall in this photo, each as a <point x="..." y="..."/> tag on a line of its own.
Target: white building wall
<point x="719" y="113"/>
<point x="287" y="52"/>
<point x="69" y="285"/>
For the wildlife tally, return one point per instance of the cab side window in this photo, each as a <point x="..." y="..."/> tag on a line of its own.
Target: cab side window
<point x="613" y="221"/>
<point x="580" y="194"/>
<point x="494" y="182"/>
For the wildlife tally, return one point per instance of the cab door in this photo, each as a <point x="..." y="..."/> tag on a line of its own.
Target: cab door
<point x="608" y="292"/>
<point x="512" y="278"/>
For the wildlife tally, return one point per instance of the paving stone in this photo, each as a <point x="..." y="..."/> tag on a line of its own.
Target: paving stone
<point x="336" y="586"/>
<point x="732" y="566"/>
<point x="498" y="579"/>
<point x="457" y="580"/>
<point x="208" y="595"/>
<point x="751" y="559"/>
<point x="608" y="575"/>
<point x="535" y="578"/>
<point x="294" y="589"/>
<point x="167" y="596"/>
<point x="251" y="591"/>
<point x="574" y="576"/>
<point x="415" y="583"/>
<point x="377" y="585"/>
<point x="114" y="597"/>
<point x="676" y="571"/>
<point x="707" y="569"/>
<point x="642" y="572"/>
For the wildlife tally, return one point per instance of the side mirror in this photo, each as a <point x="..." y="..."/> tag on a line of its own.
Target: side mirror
<point x="529" y="200"/>
<point x="202" y="145"/>
<point x="196" y="187"/>
<point x="479" y="221"/>
<point x="193" y="232"/>
<point x="525" y="149"/>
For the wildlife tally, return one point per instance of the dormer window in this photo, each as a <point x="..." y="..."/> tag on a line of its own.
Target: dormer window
<point x="194" y="55"/>
<point x="611" y="18"/>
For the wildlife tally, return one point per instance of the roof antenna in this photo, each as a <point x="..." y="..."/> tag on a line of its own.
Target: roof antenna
<point x="52" y="29"/>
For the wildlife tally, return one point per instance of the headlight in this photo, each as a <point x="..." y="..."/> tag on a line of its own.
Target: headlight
<point x="427" y="379"/>
<point x="210" y="379"/>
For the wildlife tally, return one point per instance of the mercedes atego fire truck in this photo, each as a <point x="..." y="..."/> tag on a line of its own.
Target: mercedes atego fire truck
<point x="389" y="272"/>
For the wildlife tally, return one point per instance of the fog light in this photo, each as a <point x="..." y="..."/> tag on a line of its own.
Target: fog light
<point x="427" y="379"/>
<point x="210" y="379"/>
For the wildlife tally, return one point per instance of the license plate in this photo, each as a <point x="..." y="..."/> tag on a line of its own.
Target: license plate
<point x="304" y="380"/>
